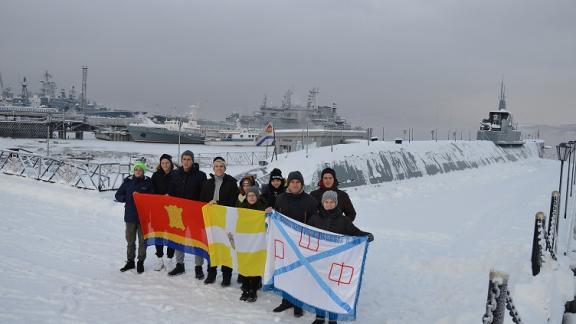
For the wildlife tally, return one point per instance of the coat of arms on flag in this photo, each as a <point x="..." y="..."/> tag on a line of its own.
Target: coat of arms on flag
<point x="237" y="238"/>
<point x="174" y="222"/>
<point x="317" y="270"/>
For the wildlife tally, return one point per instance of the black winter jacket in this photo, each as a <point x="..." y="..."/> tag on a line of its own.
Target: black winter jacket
<point x="187" y="185"/>
<point x="344" y="202"/>
<point x="228" y="195"/>
<point x="333" y="221"/>
<point x="300" y="207"/>
<point x="271" y="194"/>
<point x="161" y="182"/>
<point x="260" y="204"/>
<point x="129" y="186"/>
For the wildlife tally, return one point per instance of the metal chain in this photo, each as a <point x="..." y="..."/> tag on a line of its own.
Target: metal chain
<point x="512" y="309"/>
<point x="491" y="306"/>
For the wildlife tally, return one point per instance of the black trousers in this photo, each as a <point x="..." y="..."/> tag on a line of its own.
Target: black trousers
<point x="160" y="251"/>
<point x="251" y="283"/>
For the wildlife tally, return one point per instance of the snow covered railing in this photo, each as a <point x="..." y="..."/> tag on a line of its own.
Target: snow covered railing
<point x="553" y="223"/>
<point x="233" y="158"/>
<point x="498" y="300"/>
<point x="84" y="175"/>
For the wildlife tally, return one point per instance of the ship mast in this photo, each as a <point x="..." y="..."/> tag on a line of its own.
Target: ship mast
<point x="502" y="103"/>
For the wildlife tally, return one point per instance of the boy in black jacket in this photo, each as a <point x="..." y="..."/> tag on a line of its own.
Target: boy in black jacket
<point x="330" y="218"/>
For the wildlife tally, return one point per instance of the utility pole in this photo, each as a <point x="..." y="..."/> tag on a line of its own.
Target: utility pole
<point x="84" y="88"/>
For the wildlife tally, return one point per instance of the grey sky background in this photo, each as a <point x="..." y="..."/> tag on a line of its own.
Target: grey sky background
<point x="397" y="63"/>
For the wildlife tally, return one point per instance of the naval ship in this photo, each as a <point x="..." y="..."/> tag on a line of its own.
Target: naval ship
<point x="293" y="116"/>
<point x="499" y="127"/>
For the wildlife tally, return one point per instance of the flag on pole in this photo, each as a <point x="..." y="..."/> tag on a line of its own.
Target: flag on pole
<point x="173" y="222"/>
<point x="236" y="238"/>
<point x="314" y="269"/>
<point x="266" y="137"/>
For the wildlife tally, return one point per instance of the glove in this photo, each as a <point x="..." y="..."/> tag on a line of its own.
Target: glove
<point x="370" y="237"/>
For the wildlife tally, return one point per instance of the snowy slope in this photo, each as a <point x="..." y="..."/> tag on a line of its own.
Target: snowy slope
<point x="436" y="238"/>
<point x="359" y="164"/>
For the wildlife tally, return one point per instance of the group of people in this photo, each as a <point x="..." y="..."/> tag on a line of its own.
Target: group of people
<point x="327" y="208"/>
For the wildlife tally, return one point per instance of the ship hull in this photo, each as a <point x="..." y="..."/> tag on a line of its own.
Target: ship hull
<point x="510" y="138"/>
<point x="160" y="135"/>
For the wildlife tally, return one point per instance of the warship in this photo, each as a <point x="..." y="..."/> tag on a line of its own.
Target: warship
<point x="499" y="127"/>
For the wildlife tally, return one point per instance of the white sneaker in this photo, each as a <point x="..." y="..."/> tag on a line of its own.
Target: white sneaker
<point x="170" y="264"/>
<point x="159" y="265"/>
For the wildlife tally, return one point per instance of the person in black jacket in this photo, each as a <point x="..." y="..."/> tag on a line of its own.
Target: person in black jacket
<point x="327" y="182"/>
<point x="300" y="206"/>
<point x="329" y="218"/>
<point x="220" y="189"/>
<point x="276" y="186"/>
<point x="161" y="183"/>
<point x="187" y="182"/>
<point x="251" y="284"/>
<point x="137" y="182"/>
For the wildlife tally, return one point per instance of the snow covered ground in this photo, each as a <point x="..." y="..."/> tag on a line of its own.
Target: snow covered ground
<point x="436" y="238"/>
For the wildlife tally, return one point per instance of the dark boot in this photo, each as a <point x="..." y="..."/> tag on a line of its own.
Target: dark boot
<point x="244" y="296"/>
<point x="199" y="272"/>
<point x="252" y="296"/>
<point x="226" y="278"/>
<point x="178" y="270"/>
<point x="211" y="276"/>
<point x="298" y="312"/>
<point x="140" y="267"/>
<point x="240" y="278"/>
<point x="283" y="306"/>
<point x="332" y="322"/>
<point x="129" y="265"/>
<point x="319" y="320"/>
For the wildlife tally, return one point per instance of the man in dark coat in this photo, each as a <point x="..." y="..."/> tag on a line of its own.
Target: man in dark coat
<point x="187" y="183"/>
<point x="137" y="182"/>
<point x="327" y="182"/>
<point x="275" y="187"/>
<point x="300" y="206"/>
<point x="161" y="182"/>
<point x="329" y="218"/>
<point x="221" y="189"/>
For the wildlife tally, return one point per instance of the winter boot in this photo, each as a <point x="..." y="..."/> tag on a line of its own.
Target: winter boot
<point x="178" y="270"/>
<point x="199" y="272"/>
<point x="129" y="265"/>
<point x="159" y="264"/>
<point x="244" y="296"/>
<point x="298" y="312"/>
<point x="319" y="320"/>
<point x="239" y="278"/>
<point x="226" y="278"/>
<point x="283" y="306"/>
<point x="332" y="322"/>
<point x="211" y="276"/>
<point x="252" y="297"/>
<point x="140" y="267"/>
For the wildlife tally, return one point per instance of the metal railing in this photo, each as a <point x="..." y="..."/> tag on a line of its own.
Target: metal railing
<point x="79" y="174"/>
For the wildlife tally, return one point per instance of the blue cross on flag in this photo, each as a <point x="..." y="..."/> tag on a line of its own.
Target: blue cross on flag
<point x="314" y="269"/>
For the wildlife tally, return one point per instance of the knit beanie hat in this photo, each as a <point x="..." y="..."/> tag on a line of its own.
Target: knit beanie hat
<point x="255" y="190"/>
<point x="139" y="165"/>
<point x="188" y="153"/>
<point x="330" y="195"/>
<point x="296" y="175"/>
<point x="219" y="159"/>
<point x="276" y="174"/>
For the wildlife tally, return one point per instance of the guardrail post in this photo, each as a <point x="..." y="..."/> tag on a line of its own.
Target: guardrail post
<point x="538" y="247"/>
<point x="496" y="300"/>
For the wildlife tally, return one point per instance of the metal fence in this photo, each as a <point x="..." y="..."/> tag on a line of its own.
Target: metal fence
<point x="79" y="174"/>
<point x="233" y="158"/>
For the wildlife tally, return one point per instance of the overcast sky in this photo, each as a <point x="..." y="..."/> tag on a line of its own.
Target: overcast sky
<point x="394" y="63"/>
